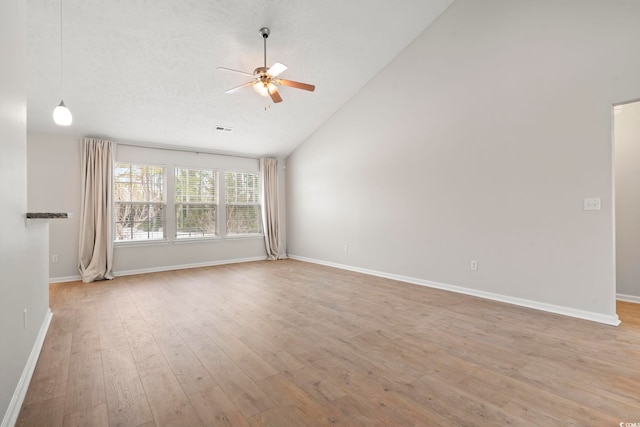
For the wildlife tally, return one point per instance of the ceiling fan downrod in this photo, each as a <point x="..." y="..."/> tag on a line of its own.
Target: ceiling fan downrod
<point x="264" y="31"/>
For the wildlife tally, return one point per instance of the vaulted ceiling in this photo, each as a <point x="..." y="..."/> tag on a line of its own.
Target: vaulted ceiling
<point x="145" y="71"/>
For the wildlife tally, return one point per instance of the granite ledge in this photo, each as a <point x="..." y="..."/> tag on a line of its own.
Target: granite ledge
<point x="47" y="215"/>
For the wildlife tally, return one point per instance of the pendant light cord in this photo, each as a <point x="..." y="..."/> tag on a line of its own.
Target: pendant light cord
<point x="61" y="56"/>
<point x="61" y="114"/>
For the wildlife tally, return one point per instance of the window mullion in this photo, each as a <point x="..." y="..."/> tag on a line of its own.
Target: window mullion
<point x="222" y="211"/>
<point x="170" y="203"/>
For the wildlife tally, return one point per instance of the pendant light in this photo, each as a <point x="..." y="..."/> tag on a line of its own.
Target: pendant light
<point x="61" y="114"/>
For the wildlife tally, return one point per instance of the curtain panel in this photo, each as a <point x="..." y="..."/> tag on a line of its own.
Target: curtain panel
<point x="96" y="226"/>
<point x="270" y="209"/>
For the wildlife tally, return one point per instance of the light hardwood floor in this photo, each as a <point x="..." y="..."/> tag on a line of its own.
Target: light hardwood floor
<point x="292" y="344"/>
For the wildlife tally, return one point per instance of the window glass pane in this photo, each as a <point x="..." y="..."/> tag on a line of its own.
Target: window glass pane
<point x="242" y="187"/>
<point x="135" y="183"/>
<point x="139" y="221"/>
<point x="195" y="186"/>
<point x="195" y="220"/>
<point x="243" y="219"/>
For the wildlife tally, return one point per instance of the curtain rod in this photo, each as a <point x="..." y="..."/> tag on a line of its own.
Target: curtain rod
<point x="184" y="150"/>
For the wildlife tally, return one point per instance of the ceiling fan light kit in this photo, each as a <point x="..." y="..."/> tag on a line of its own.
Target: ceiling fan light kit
<point x="265" y="80"/>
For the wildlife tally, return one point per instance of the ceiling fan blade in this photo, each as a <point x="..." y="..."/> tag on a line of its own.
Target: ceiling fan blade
<point x="276" y="69"/>
<point x="275" y="95"/>
<point x="297" y="85"/>
<point x="235" y="89"/>
<point x="235" y="71"/>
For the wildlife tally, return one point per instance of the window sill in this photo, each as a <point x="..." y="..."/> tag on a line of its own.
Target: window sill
<point x="244" y="237"/>
<point x="197" y="240"/>
<point x="135" y="243"/>
<point x="166" y="242"/>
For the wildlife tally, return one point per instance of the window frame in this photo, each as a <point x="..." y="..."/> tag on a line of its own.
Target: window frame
<point x="163" y="204"/>
<point x="169" y="203"/>
<point x="216" y="204"/>
<point x="258" y="204"/>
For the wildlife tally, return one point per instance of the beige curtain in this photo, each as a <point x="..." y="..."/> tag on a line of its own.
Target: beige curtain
<point x="270" y="209"/>
<point x="96" y="237"/>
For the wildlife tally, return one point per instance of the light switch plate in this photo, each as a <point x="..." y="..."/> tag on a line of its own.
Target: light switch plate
<point x="592" y="204"/>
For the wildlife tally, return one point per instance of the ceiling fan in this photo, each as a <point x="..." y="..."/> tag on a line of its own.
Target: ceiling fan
<point x="265" y="80"/>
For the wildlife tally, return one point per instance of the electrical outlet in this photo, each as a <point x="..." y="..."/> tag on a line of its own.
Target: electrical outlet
<point x="474" y="264"/>
<point x="346" y="248"/>
<point x="24" y="318"/>
<point x="592" y="204"/>
<point x="54" y="258"/>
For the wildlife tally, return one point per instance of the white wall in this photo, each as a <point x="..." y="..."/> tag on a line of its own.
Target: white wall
<point x="480" y="141"/>
<point x="54" y="186"/>
<point x="54" y="183"/>
<point x="627" y="170"/>
<point x="23" y="250"/>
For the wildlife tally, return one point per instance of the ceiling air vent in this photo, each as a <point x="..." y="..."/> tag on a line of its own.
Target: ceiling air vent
<point x="224" y="129"/>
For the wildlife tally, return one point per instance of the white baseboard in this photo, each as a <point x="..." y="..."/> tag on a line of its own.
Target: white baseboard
<point x="566" y="311"/>
<point x="628" y="298"/>
<point x="185" y="266"/>
<point x="64" y="279"/>
<point x="159" y="269"/>
<point x="11" y="416"/>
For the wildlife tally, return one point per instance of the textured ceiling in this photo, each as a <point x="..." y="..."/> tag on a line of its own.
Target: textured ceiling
<point x="145" y="70"/>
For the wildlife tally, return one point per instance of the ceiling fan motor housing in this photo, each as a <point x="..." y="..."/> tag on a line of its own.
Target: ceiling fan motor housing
<point x="261" y="74"/>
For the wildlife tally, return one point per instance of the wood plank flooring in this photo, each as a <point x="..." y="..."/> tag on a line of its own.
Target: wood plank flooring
<point x="289" y="343"/>
<point x="629" y="313"/>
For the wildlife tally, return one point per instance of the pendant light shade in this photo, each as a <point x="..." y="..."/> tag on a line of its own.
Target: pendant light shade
<point x="62" y="115"/>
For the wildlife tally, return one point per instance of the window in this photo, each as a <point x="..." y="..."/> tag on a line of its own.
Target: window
<point x="243" y="203"/>
<point x="196" y="203"/>
<point x="139" y="202"/>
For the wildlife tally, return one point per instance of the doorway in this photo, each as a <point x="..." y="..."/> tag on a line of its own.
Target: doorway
<point x="626" y="136"/>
